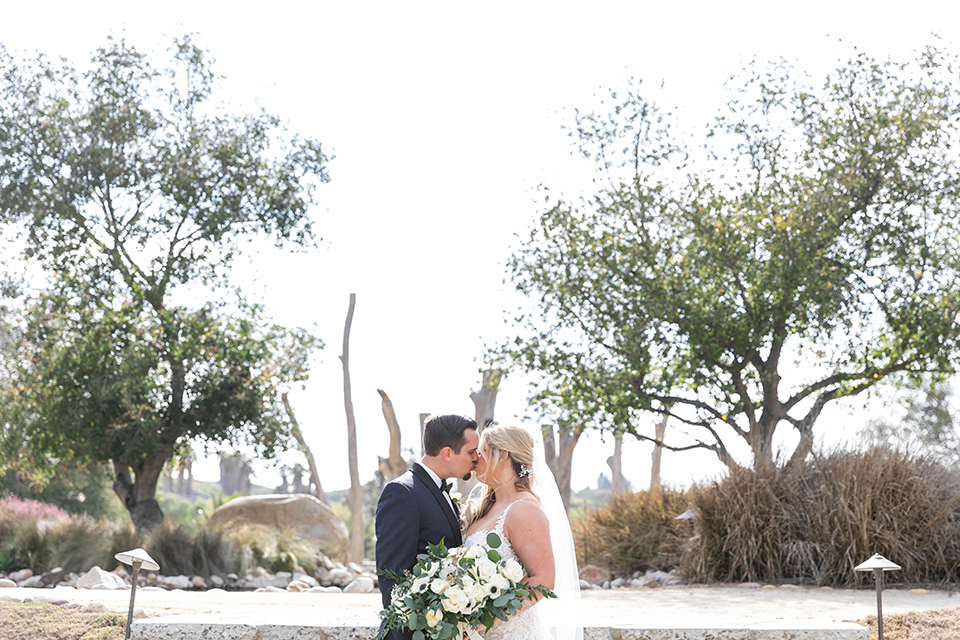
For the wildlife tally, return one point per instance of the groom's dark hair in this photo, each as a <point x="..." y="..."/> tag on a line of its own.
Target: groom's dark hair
<point x="445" y="431"/>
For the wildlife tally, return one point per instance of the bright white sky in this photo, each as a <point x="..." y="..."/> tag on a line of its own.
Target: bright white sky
<point x="444" y="118"/>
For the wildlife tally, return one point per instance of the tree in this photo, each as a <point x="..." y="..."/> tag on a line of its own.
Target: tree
<point x="355" y="497"/>
<point x="805" y="254"/>
<point x="135" y="194"/>
<point x="922" y="420"/>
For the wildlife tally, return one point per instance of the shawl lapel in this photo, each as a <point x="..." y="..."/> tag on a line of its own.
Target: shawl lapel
<point x="452" y="519"/>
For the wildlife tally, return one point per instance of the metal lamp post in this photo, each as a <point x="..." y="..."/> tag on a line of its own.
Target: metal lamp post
<point x="137" y="558"/>
<point x="878" y="564"/>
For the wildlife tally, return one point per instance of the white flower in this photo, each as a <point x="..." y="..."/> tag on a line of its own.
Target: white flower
<point x="419" y="584"/>
<point x="433" y="617"/>
<point x="429" y="569"/>
<point x="513" y="571"/>
<point x="498" y="584"/>
<point x="485" y="568"/>
<point x="476" y="552"/>
<point x="475" y="592"/>
<point x="438" y="586"/>
<point x="456" y="600"/>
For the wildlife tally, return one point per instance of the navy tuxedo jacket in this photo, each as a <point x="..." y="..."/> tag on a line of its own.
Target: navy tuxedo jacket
<point x="412" y="512"/>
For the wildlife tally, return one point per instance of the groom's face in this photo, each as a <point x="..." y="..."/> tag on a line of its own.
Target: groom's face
<point x="462" y="464"/>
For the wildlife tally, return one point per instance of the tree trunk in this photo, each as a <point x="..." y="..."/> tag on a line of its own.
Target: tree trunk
<point x="558" y="451"/>
<point x="615" y="462"/>
<point x="655" y="488"/>
<point x="423" y="420"/>
<point x="304" y="449"/>
<point x="136" y="486"/>
<point x="484" y="403"/>
<point x="395" y="465"/>
<point x="355" y="499"/>
<point x="485" y="399"/>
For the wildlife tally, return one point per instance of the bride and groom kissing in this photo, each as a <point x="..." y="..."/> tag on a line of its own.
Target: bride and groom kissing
<point x="517" y="498"/>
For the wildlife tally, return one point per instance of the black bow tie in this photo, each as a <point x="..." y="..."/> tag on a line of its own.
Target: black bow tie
<point x="445" y="486"/>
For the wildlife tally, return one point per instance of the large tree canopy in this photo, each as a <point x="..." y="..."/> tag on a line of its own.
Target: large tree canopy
<point x="134" y="194"/>
<point x="809" y="250"/>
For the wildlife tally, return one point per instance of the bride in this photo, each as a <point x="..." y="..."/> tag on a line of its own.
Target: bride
<point x="519" y="501"/>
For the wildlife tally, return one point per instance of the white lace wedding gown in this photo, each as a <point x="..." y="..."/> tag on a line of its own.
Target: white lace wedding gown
<point x="524" y="625"/>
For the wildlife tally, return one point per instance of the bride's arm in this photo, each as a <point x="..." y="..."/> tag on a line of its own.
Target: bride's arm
<point x="528" y="531"/>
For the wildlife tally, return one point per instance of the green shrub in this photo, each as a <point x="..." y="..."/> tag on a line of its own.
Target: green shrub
<point x="634" y="532"/>
<point x="817" y="522"/>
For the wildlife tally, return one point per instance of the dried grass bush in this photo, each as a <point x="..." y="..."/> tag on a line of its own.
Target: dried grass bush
<point x="180" y="551"/>
<point x="815" y="523"/>
<point x="74" y="544"/>
<point x="634" y="532"/>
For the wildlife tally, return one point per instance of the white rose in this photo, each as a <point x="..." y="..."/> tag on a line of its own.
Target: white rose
<point x="456" y="600"/>
<point x="433" y="617"/>
<point x="438" y="586"/>
<point x="476" y="592"/>
<point x="513" y="571"/>
<point x="485" y="569"/>
<point x="476" y="552"/>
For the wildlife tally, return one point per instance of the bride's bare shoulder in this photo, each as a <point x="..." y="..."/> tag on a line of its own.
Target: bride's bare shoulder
<point x="526" y="510"/>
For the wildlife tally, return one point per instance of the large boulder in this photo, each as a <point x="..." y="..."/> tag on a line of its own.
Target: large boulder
<point x="309" y="518"/>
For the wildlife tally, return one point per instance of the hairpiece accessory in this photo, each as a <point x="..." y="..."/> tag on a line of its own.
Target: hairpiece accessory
<point x="525" y="471"/>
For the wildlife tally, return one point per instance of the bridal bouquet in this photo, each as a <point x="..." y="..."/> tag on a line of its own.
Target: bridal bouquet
<point x="453" y="591"/>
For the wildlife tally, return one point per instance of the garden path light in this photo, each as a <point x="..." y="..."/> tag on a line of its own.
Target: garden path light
<point x="878" y="564"/>
<point x="136" y="558"/>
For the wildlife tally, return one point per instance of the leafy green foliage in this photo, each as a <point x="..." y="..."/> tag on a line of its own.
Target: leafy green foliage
<point x="135" y="194"/>
<point x="806" y="253"/>
<point x="920" y="419"/>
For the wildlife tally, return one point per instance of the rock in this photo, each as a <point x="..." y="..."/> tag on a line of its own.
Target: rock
<point x="54" y="576"/>
<point x="297" y="586"/>
<point x="174" y="582"/>
<point x="73" y="605"/>
<point x="30" y="583"/>
<point x="20" y="576"/>
<point x="268" y="590"/>
<point x="302" y="577"/>
<point x="584" y="584"/>
<point x="769" y="586"/>
<point x="605" y="585"/>
<point x="198" y="582"/>
<point x="97" y="576"/>
<point x="354" y="567"/>
<point x="749" y="585"/>
<point x="232" y="576"/>
<point x="308" y="518"/>
<point x="216" y="581"/>
<point x="339" y="577"/>
<point x="95" y="607"/>
<point x="7" y="584"/>
<point x="360" y="585"/>
<point x="788" y="587"/>
<point x="917" y="591"/>
<point x="324" y="590"/>
<point x="647" y="581"/>
<point x="616" y="584"/>
<point x="595" y="575"/>
<point x="139" y="613"/>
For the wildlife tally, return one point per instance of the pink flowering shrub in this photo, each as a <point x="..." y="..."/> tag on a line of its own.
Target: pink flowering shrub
<point x="16" y="511"/>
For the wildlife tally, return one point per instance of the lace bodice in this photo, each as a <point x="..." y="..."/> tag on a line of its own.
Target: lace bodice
<point x="526" y="624"/>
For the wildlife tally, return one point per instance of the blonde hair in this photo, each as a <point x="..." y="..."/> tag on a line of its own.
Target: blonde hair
<point x="517" y="443"/>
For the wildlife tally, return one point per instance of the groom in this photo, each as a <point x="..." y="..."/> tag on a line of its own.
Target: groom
<point x="415" y="509"/>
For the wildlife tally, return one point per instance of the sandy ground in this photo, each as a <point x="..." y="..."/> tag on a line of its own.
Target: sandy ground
<point x="665" y="607"/>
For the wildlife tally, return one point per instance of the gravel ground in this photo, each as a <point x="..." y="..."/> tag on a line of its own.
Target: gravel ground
<point x="664" y="607"/>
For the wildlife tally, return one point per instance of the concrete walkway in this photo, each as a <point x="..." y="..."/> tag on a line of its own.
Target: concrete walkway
<point x="678" y="612"/>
